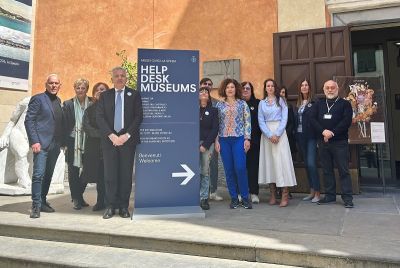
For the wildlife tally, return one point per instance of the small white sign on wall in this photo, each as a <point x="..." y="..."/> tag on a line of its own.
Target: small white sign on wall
<point x="378" y="132"/>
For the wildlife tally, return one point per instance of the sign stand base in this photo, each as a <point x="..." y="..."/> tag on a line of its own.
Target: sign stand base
<point x="168" y="213"/>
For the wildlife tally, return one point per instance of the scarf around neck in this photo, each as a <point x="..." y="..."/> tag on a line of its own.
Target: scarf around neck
<point x="80" y="136"/>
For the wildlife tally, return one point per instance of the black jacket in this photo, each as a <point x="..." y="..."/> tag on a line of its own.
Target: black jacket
<point x="307" y="128"/>
<point x="93" y="154"/>
<point x="69" y="124"/>
<point x="133" y="115"/>
<point x="255" y="128"/>
<point x="340" y="122"/>
<point x="208" y="125"/>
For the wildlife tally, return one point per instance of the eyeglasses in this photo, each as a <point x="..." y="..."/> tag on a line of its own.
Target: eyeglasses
<point x="247" y="88"/>
<point x="207" y="84"/>
<point x="203" y="92"/>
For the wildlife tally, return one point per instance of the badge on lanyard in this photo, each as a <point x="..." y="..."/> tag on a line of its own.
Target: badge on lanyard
<point x="328" y="115"/>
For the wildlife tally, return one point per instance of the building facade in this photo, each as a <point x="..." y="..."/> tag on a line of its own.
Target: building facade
<point x="81" y="39"/>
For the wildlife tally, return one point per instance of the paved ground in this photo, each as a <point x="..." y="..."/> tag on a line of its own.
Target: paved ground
<point x="371" y="230"/>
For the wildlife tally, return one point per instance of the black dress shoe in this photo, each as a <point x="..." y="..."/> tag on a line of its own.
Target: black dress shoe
<point x="204" y="204"/>
<point x="98" y="207"/>
<point x="325" y="201"/>
<point x="45" y="207"/>
<point x="77" y="204"/>
<point x="109" y="213"/>
<point x="348" y="204"/>
<point x="35" y="212"/>
<point x="83" y="203"/>
<point x="124" y="213"/>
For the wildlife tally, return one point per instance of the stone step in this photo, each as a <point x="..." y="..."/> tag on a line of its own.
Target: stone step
<point x="20" y="252"/>
<point x="174" y="244"/>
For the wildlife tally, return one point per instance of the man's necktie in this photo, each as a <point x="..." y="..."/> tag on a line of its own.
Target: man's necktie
<point x="118" y="112"/>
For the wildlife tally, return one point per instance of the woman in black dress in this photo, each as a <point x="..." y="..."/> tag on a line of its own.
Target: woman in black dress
<point x="93" y="169"/>
<point x="253" y="154"/>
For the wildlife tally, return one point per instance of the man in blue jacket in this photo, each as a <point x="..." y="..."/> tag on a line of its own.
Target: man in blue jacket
<point x="43" y="124"/>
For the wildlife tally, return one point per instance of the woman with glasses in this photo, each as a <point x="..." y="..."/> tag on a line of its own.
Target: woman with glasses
<point x="233" y="140"/>
<point x="93" y="166"/>
<point x="253" y="154"/>
<point x="207" y="82"/>
<point x="276" y="165"/>
<point x="208" y="133"/>
<point x="307" y="139"/>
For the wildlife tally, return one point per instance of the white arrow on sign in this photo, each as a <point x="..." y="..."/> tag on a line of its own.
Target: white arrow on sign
<point x="189" y="174"/>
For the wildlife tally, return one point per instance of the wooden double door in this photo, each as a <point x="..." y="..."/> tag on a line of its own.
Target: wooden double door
<point x="317" y="55"/>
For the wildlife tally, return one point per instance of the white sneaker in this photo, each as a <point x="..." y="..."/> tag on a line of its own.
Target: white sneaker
<point x="315" y="199"/>
<point x="240" y="198"/>
<point x="308" y="198"/>
<point x="255" y="199"/>
<point x="216" y="197"/>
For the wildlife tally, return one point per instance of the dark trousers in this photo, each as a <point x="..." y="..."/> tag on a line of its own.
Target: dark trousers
<point x="44" y="163"/>
<point x="214" y="171"/>
<point x="338" y="152"/>
<point x="76" y="186"/>
<point x="118" y="168"/>
<point x="100" y="185"/>
<point x="252" y="162"/>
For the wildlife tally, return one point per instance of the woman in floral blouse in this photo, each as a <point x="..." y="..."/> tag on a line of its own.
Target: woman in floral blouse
<point x="233" y="140"/>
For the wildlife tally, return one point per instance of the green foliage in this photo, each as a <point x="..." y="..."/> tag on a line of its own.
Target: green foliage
<point x="130" y="67"/>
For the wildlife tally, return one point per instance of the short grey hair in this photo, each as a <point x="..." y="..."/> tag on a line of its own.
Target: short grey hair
<point x="51" y="75"/>
<point x="118" y="68"/>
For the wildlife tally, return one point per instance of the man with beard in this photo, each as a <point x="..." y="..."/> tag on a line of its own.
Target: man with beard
<point x="331" y="118"/>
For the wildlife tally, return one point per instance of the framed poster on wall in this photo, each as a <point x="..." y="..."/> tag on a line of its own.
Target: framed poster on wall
<point x="367" y="99"/>
<point x="15" y="43"/>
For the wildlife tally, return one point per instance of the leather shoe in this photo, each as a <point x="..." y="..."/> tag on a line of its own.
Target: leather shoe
<point x="325" y="201"/>
<point x="35" y="212"/>
<point x="77" y="204"/>
<point x="45" y="207"/>
<point x="109" y="213"/>
<point x="348" y="204"/>
<point x="124" y="213"/>
<point x="98" y="207"/>
<point x="83" y="203"/>
<point x="204" y="204"/>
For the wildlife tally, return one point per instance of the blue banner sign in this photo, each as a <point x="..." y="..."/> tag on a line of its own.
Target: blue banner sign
<point x="167" y="160"/>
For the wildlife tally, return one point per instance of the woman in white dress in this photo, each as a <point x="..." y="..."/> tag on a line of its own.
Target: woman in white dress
<point x="276" y="165"/>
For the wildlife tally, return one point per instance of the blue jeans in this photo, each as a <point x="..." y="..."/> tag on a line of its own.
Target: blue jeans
<point x="205" y="172"/>
<point x="44" y="163"/>
<point x="234" y="160"/>
<point x="308" y="148"/>
<point x="338" y="152"/>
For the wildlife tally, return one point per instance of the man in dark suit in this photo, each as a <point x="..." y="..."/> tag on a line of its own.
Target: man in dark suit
<point x="44" y="127"/>
<point x="119" y="114"/>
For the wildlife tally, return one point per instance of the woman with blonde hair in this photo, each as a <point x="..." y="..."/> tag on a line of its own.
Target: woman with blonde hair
<point x="73" y="110"/>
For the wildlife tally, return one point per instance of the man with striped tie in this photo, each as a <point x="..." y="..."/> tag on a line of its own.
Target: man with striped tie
<point x="119" y="114"/>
